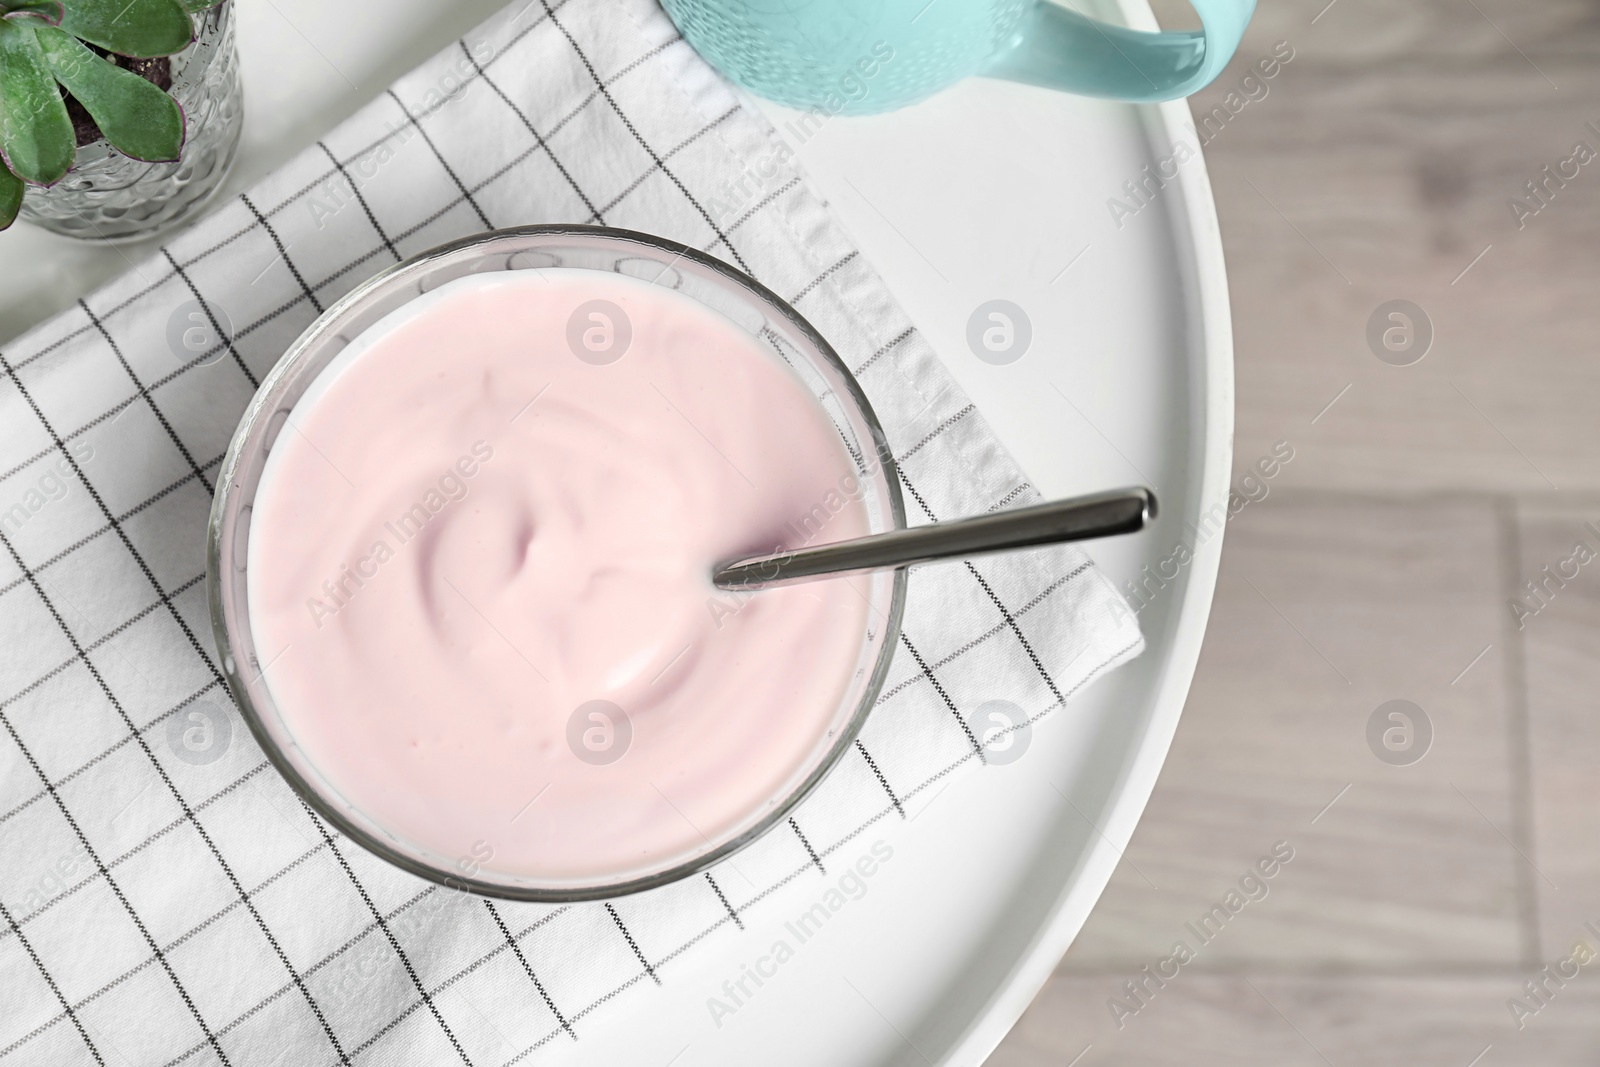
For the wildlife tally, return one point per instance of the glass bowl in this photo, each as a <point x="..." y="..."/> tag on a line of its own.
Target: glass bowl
<point x="731" y="294"/>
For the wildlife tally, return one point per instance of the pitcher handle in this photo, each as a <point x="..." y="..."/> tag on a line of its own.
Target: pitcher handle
<point x="1060" y="49"/>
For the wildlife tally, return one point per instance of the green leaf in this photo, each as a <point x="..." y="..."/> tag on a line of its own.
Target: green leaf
<point x="11" y="190"/>
<point x="137" y="118"/>
<point x="197" y="6"/>
<point x="142" y="29"/>
<point x="49" y="11"/>
<point x="35" y="134"/>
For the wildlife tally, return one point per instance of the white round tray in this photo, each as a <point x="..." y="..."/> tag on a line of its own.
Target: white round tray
<point x="989" y="190"/>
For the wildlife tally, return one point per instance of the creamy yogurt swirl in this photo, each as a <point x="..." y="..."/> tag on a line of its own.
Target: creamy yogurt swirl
<point x="479" y="571"/>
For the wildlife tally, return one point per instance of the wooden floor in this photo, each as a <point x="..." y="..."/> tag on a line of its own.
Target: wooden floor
<point x="1383" y="566"/>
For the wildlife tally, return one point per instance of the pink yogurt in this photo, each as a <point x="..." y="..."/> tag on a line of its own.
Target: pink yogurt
<point x="470" y="548"/>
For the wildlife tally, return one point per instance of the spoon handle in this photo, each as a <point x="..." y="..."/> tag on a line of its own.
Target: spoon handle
<point x="1118" y="511"/>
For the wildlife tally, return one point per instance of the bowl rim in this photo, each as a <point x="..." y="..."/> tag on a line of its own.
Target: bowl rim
<point x="253" y="426"/>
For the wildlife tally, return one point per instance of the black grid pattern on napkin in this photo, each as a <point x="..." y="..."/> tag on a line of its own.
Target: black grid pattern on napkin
<point x="205" y="914"/>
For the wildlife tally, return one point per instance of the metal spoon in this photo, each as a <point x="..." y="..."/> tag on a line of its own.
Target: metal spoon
<point x="1118" y="511"/>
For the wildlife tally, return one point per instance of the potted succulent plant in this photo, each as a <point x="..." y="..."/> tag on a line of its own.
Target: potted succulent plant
<point x="116" y="116"/>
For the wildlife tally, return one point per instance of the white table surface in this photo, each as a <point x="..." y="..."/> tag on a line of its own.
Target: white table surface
<point x="987" y="191"/>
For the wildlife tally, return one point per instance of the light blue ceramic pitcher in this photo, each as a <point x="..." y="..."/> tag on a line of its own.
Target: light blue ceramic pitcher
<point x="858" y="56"/>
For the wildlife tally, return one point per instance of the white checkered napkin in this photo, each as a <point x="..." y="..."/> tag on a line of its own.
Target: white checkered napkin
<point x="164" y="897"/>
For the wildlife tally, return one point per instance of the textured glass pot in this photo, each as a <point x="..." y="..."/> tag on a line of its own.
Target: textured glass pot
<point x="715" y="286"/>
<point x="108" y="196"/>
